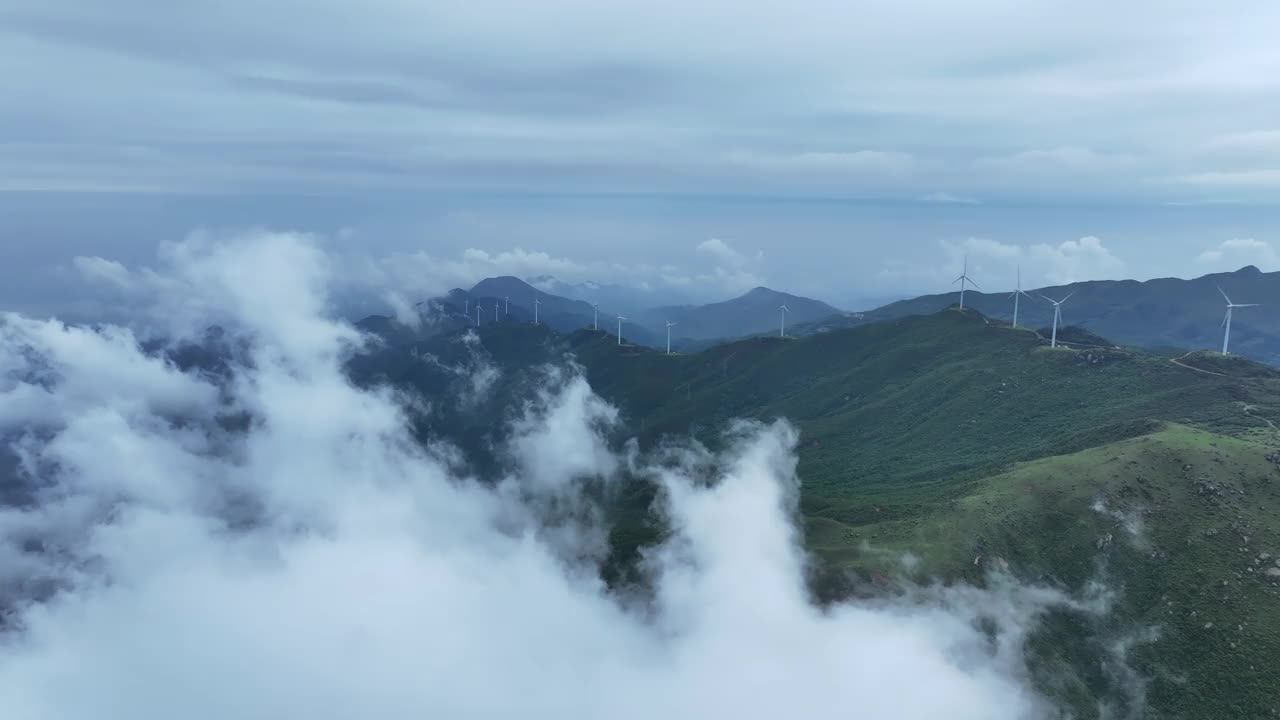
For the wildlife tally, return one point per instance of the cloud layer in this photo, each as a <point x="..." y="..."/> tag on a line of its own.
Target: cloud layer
<point x="271" y="540"/>
<point x="990" y="100"/>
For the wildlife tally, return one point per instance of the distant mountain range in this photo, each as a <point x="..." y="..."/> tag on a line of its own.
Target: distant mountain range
<point x="752" y="313"/>
<point x="1161" y="313"/>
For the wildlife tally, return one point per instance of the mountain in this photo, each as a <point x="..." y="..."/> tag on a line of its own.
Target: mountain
<point x="1166" y="312"/>
<point x="522" y="294"/>
<point x="974" y="447"/>
<point x="752" y="313"/>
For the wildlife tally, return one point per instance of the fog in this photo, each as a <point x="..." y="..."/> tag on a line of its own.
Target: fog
<point x="276" y="543"/>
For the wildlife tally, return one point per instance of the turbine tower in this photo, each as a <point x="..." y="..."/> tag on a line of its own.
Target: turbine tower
<point x="466" y="307"/>
<point x="669" y="325"/>
<point x="507" y="309"/>
<point x="477" y="314"/>
<point x="1015" y="295"/>
<point x="495" y="311"/>
<point x="1226" y="321"/>
<point x="964" y="279"/>
<point x="1057" y="315"/>
<point x="595" y="316"/>
<point x="782" y="311"/>
<point x="536" y="303"/>
<point x="620" y="319"/>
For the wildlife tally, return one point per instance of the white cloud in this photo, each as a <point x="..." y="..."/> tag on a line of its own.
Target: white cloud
<point x="1066" y="159"/>
<point x="858" y="163"/>
<point x="1077" y="260"/>
<point x="318" y="562"/>
<point x="100" y="269"/>
<point x="982" y="248"/>
<point x="1237" y="252"/>
<point x="733" y="271"/>
<point x="945" y="198"/>
<point x="1264" y="178"/>
<point x="1255" y="142"/>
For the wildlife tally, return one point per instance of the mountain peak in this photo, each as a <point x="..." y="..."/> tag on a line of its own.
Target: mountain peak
<point x="1249" y="270"/>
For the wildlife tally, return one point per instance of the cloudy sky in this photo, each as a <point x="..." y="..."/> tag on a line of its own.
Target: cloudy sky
<point x="851" y="151"/>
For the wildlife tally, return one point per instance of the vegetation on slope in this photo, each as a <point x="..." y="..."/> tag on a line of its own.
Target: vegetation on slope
<point x="1164" y="312"/>
<point x="970" y="445"/>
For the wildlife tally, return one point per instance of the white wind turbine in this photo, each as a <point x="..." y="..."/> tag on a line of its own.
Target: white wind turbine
<point x="1226" y="321"/>
<point x="963" y="280"/>
<point x="495" y="311"/>
<point x="595" y="316"/>
<point x="669" y="326"/>
<point x="1015" y="295"/>
<point x="620" y="319"/>
<point x="782" y="311"/>
<point x="506" y="310"/>
<point x="536" y="303"/>
<point x="1057" y="315"/>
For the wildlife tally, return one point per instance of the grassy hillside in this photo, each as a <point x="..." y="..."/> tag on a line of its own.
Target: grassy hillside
<point x="1163" y="312"/>
<point x="971" y="445"/>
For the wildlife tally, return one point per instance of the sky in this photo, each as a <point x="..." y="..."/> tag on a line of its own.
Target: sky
<point x="317" y="560"/>
<point x="849" y="151"/>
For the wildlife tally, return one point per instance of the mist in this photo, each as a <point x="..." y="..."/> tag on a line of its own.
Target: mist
<point x="273" y="541"/>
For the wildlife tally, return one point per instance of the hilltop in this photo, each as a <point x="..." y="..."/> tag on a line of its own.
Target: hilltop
<point x="751" y="313"/>
<point x="970" y="446"/>
<point x="1165" y="312"/>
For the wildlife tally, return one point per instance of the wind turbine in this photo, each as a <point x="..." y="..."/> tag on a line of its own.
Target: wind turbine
<point x="963" y="280"/>
<point x="782" y="311"/>
<point x="620" y="319"/>
<point x="1015" y="295"/>
<point x="1057" y="315"/>
<point x="506" y="310"/>
<point x="495" y="311"/>
<point x="536" y="303"/>
<point x="669" y="325"/>
<point x="1226" y="322"/>
<point x="466" y="307"/>
<point x="477" y="314"/>
<point x="595" y="316"/>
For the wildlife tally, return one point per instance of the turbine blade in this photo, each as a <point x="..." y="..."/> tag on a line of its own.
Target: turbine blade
<point x="1224" y="294"/>
<point x="1224" y="318"/>
<point x="1249" y="305"/>
<point x="1046" y="297"/>
<point x="974" y="284"/>
<point x="953" y="282"/>
<point x="1068" y="297"/>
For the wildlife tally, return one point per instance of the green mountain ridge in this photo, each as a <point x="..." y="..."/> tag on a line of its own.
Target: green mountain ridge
<point x="970" y="446"/>
<point x="1164" y="312"/>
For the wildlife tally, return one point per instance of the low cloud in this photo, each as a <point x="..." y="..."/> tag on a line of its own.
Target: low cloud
<point x="1235" y="253"/>
<point x="733" y="271"/>
<point x="314" y="559"/>
<point x="1077" y="260"/>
